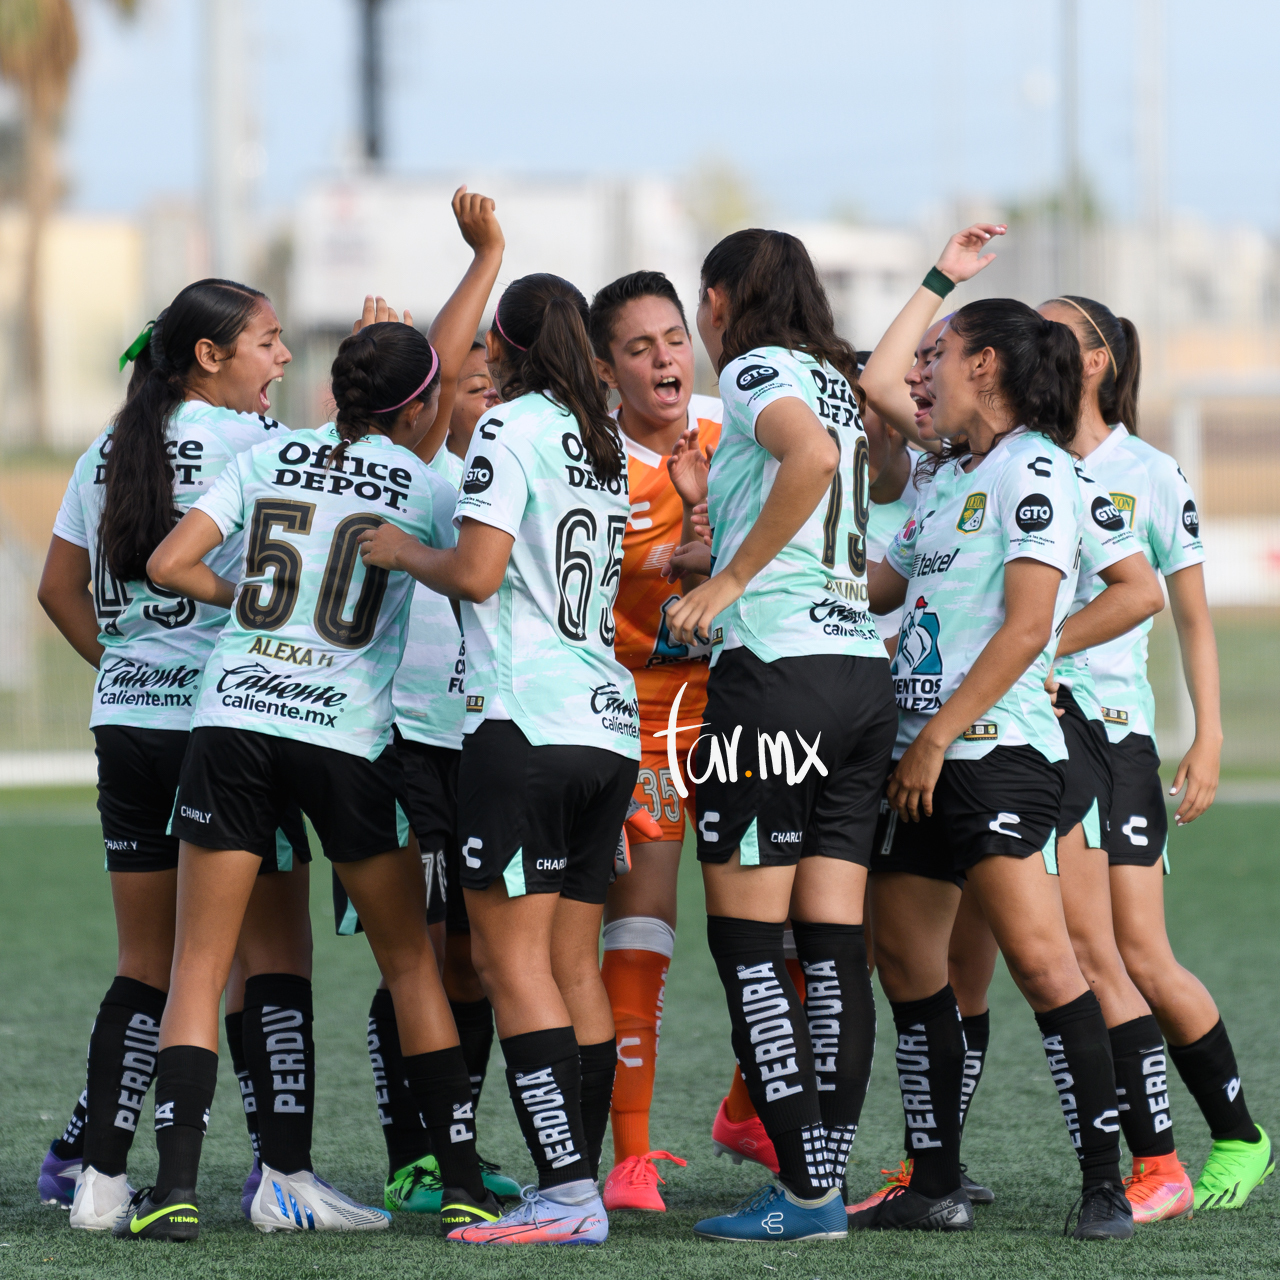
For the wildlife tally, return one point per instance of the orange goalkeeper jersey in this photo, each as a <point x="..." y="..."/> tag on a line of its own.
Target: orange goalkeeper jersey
<point x="653" y="533"/>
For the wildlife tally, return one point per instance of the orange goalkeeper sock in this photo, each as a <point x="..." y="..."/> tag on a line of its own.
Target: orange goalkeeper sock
<point x="635" y="976"/>
<point x="737" y="1104"/>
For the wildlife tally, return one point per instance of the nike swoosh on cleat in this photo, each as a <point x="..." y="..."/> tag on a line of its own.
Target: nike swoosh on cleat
<point x="141" y="1224"/>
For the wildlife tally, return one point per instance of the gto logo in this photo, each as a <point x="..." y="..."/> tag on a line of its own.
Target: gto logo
<point x="1191" y="518"/>
<point x="1106" y="516"/>
<point x="479" y="475"/>
<point x="1035" y="512"/>
<point x="755" y="375"/>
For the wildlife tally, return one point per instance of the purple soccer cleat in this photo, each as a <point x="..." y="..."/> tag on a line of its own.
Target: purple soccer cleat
<point x="57" y="1184"/>
<point x="251" y="1184"/>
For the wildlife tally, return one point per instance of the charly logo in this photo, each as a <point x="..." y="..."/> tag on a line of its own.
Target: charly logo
<point x="1106" y="514"/>
<point x="1035" y="512"/>
<point x="755" y="375"/>
<point x="1125" y="505"/>
<point x="973" y="514"/>
<point x="1191" y="518"/>
<point x="479" y="475"/>
<point x="774" y="754"/>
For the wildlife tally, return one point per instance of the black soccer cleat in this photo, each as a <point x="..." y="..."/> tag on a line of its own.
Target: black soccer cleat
<point x="1105" y="1214"/>
<point x="977" y="1193"/>
<point x="175" y="1217"/>
<point x="459" y="1209"/>
<point x="906" y="1210"/>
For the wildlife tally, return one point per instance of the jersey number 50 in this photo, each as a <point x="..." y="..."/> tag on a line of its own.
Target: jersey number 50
<point x="575" y="573"/>
<point x="266" y="551"/>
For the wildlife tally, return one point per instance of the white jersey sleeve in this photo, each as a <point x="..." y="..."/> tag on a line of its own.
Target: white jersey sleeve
<point x="495" y="489"/>
<point x="1035" y="502"/>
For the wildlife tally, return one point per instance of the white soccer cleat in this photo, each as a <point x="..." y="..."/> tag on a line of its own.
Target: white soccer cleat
<point x="99" y="1200"/>
<point x="303" y="1202"/>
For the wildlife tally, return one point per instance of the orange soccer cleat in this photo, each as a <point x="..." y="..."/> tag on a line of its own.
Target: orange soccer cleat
<point x="1159" y="1188"/>
<point x="633" y="1183"/>
<point x="899" y="1177"/>
<point x="742" y="1140"/>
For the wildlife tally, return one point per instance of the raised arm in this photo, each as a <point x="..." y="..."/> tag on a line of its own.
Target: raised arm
<point x="454" y="329"/>
<point x="882" y="379"/>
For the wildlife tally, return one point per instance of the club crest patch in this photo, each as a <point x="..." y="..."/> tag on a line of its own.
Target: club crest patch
<point x="975" y="511"/>
<point x="1124" y="504"/>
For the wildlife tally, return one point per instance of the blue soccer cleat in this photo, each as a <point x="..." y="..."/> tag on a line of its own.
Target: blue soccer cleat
<point x="57" y="1182"/>
<point x="774" y="1213"/>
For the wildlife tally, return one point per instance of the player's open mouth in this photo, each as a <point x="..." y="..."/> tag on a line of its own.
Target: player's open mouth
<point x="668" y="390"/>
<point x="924" y="407"/>
<point x="264" y="400"/>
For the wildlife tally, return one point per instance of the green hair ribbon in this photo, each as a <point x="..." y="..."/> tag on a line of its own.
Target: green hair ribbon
<point x="138" y="345"/>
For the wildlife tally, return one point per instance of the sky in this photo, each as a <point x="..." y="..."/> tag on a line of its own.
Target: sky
<point x="887" y="110"/>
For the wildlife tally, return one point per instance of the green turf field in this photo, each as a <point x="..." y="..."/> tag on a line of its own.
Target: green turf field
<point x="56" y="955"/>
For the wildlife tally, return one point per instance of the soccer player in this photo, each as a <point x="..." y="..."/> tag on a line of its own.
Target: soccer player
<point x="988" y="564"/>
<point x="427" y="696"/>
<point x="297" y="703"/>
<point x="799" y="720"/>
<point x="198" y="396"/>
<point x="1151" y="496"/>
<point x="644" y="352"/>
<point x="551" y="746"/>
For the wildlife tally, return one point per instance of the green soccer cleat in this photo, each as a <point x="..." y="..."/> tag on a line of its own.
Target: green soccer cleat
<point x="417" y="1187"/>
<point x="1232" y="1171"/>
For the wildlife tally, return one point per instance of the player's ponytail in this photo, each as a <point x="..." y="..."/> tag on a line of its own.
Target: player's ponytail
<point x="139" y="511"/>
<point x="1039" y="370"/>
<point x="540" y="326"/>
<point x="376" y="372"/>
<point x="775" y="299"/>
<point x="1100" y="327"/>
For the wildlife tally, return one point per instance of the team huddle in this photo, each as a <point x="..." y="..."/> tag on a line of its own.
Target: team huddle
<point x="872" y="624"/>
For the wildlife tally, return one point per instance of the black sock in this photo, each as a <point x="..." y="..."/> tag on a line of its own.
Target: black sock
<point x="841" y="1010"/>
<point x="597" y="1062"/>
<point x="438" y="1082"/>
<point x="71" y="1145"/>
<point x="235" y="1045"/>
<point x="474" y="1020"/>
<point x="280" y="1054"/>
<point x="122" y="1063"/>
<point x="771" y="1042"/>
<point x="185" y="1080"/>
<point x="398" y="1112"/>
<point x="977" y="1036"/>
<point x="1142" y="1088"/>
<point x="1208" y="1069"/>
<point x="930" y="1061"/>
<point x="544" y="1078"/>
<point x="1078" y="1048"/>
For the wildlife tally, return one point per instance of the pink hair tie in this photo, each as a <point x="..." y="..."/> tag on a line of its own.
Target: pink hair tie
<point x="497" y="324"/>
<point x="426" y="382"/>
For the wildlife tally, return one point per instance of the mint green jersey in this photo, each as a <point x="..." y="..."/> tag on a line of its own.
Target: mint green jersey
<point x="428" y="691"/>
<point x="1150" y="492"/>
<point x="314" y="637"/>
<point x="540" y="649"/>
<point x="1022" y="501"/>
<point x="1105" y="539"/>
<point x="812" y="596"/>
<point x="157" y="643"/>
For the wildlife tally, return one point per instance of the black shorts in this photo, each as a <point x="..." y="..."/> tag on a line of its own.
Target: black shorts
<point x="792" y="758"/>
<point x="431" y="787"/>
<point x="1005" y="804"/>
<point x="1139" y="834"/>
<point x="1086" y="794"/>
<point x="234" y="780"/>
<point x="138" y="774"/>
<point x="544" y="819"/>
<point x="913" y="848"/>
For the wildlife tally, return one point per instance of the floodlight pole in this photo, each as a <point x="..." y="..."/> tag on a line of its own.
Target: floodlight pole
<point x="371" y="77"/>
